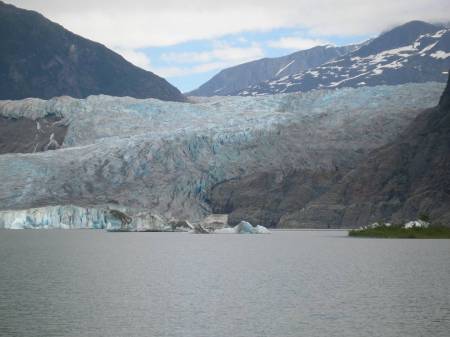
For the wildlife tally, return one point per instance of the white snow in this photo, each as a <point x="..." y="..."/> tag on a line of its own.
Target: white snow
<point x="440" y="54"/>
<point x="377" y="71"/>
<point x="284" y="68"/>
<point x="427" y="48"/>
<point x="393" y="65"/>
<point x="284" y="78"/>
<point x="406" y="51"/>
<point x="416" y="224"/>
<point x="335" y="84"/>
<point x="313" y="73"/>
<point x="440" y="33"/>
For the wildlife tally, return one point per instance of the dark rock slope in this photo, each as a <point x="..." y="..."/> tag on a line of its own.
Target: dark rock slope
<point x="264" y="198"/>
<point x="233" y="79"/>
<point x="39" y="58"/>
<point x="395" y="183"/>
<point x="24" y="135"/>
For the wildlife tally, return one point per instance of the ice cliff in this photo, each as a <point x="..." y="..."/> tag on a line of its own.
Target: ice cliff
<point x="75" y="217"/>
<point x="50" y="217"/>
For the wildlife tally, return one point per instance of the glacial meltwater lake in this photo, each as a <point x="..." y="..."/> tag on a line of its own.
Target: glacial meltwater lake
<point x="290" y="283"/>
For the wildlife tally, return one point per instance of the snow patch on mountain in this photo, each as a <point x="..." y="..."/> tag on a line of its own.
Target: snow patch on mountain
<point x="440" y="54"/>
<point x="284" y="68"/>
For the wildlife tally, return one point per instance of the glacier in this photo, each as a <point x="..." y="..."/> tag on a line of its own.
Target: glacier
<point x="165" y="157"/>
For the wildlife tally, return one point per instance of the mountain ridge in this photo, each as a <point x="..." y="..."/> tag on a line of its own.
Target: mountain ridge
<point x="415" y="52"/>
<point x="42" y="59"/>
<point x="232" y="79"/>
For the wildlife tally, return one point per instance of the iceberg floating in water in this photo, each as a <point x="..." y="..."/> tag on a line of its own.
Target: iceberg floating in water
<point x="245" y="227"/>
<point x="242" y="227"/>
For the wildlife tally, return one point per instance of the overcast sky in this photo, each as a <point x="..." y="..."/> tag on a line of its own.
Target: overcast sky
<point x="188" y="41"/>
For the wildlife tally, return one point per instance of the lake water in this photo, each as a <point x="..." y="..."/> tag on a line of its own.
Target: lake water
<point x="290" y="283"/>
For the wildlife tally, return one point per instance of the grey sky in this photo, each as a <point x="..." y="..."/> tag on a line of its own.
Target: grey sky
<point x="136" y="23"/>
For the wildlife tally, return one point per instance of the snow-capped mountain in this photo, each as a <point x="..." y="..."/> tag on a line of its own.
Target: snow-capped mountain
<point x="412" y="53"/>
<point x="233" y="79"/>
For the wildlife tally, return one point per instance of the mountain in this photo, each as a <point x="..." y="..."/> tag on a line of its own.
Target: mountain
<point x="233" y="79"/>
<point x="256" y="158"/>
<point x="40" y="58"/>
<point x="397" y="182"/>
<point x="415" y="52"/>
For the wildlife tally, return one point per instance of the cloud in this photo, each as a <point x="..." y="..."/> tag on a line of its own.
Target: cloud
<point x="133" y="24"/>
<point x="221" y="52"/>
<point x="174" y="71"/>
<point x="297" y="43"/>
<point x="222" y="55"/>
<point x="138" y="58"/>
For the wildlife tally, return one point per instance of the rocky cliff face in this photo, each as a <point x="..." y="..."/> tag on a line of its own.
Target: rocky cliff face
<point x="24" y="135"/>
<point x="396" y="183"/>
<point x="255" y="158"/>
<point x="40" y="58"/>
<point x="444" y="102"/>
<point x="265" y="197"/>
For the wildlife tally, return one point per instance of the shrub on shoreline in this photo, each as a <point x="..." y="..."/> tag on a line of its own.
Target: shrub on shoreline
<point x="432" y="232"/>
